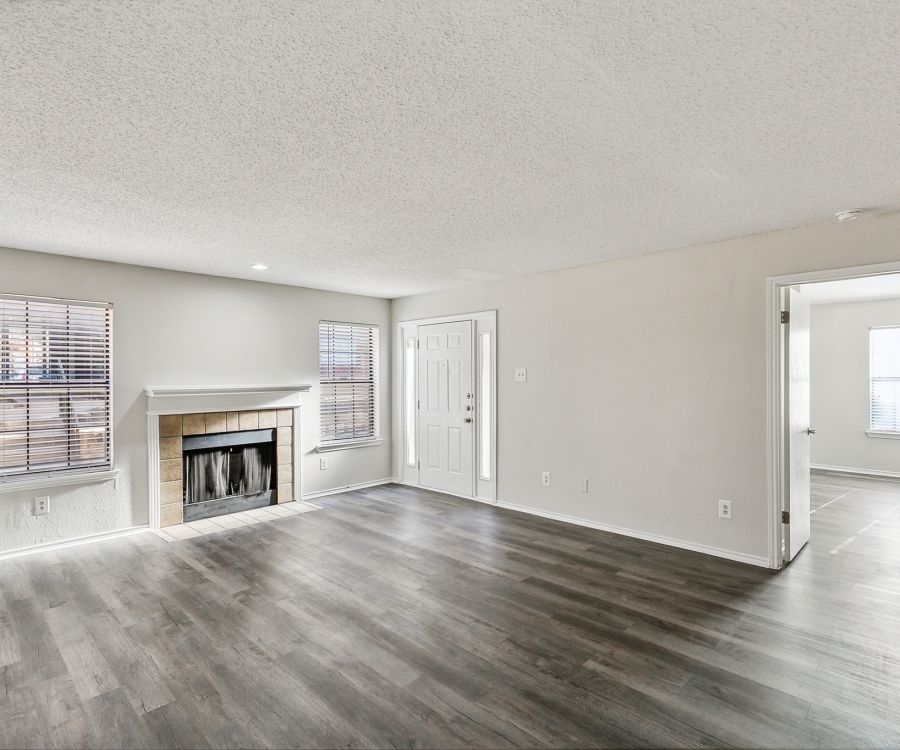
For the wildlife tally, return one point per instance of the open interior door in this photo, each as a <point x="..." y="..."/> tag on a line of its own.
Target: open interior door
<point x="797" y="415"/>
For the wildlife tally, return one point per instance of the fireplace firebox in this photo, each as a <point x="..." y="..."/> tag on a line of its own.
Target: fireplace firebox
<point x="228" y="472"/>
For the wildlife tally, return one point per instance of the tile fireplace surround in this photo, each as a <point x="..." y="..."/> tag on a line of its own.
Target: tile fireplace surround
<point x="177" y="412"/>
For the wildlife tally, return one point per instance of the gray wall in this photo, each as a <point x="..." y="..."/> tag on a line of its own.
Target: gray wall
<point x="839" y="385"/>
<point x="186" y="329"/>
<point x="648" y="376"/>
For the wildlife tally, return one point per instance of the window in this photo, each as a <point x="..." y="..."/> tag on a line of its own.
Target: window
<point x="884" y="379"/>
<point x="348" y="374"/>
<point x="409" y="405"/>
<point x="485" y="411"/>
<point x="55" y="386"/>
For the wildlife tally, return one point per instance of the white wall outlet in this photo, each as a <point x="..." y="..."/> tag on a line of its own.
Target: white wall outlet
<point x="583" y="485"/>
<point x="521" y="374"/>
<point x="545" y="478"/>
<point x="42" y="505"/>
<point x="323" y="463"/>
<point x="725" y="509"/>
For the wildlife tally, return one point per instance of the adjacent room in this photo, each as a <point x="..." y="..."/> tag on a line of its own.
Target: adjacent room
<point x="853" y="418"/>
<point x="449" y="375"/>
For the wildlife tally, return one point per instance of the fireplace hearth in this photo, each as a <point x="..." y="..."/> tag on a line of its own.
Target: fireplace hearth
<point x="228" y="472"/>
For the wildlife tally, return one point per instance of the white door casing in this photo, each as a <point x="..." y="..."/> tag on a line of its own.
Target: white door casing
<point x="446" y="407"/>
<point x="797" y="411"/>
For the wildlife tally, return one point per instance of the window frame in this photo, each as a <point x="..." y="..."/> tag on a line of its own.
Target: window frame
<point x="873" y="431"/>
<point x="325" y="444"/>
<point x="39" y="478"/>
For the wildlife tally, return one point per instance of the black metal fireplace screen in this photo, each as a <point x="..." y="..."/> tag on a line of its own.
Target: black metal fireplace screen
<point x="228" y="472"/>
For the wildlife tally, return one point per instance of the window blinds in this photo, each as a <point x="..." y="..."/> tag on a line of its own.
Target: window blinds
<point x="884" y="379"/>
<point x="348" y="375"/>
<point x="55" y="386"/>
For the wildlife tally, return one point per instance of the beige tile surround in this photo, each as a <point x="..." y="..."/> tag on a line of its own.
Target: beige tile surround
<point x="173" y="427"/>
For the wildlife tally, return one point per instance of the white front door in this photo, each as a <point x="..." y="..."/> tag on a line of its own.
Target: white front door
<point x="797" y="410"/>
<point x="446" y="407"/>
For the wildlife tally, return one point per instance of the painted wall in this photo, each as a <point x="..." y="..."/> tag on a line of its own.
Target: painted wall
<point x="648" y="377"/>
<point x="839" y="385"/>
<point x="185" y="329"/>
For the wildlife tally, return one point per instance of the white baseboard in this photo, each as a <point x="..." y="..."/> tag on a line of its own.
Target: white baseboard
<point x="346" y="488"/>
<point x="858" y="472"/>
<point x="21" y="551"/>
<point x="759" y="561"/>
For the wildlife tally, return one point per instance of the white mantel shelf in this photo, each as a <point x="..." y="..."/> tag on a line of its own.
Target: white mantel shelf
<point x="187" y="390"/>
<point x="171" y="399"/>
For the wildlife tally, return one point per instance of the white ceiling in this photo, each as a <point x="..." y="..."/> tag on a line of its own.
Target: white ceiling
<point x="864" y="289"/>
<point x="395" y="148"/>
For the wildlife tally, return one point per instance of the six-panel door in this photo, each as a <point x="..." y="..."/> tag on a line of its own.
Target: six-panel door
<point x="446" y="407"/>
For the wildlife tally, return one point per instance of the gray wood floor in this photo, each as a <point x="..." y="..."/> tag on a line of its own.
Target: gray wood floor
<point x="396" y="617"/>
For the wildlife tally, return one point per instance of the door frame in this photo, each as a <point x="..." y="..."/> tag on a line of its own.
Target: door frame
<point x="776" y="376"/>
<point x="483" y="489"/>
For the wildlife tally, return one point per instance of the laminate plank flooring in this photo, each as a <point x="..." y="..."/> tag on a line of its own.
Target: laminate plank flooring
<point x="396" y="617"/>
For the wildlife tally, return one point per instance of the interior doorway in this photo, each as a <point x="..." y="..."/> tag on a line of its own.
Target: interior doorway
<point x="448" y="415"/>
<point x="834" y="406"/>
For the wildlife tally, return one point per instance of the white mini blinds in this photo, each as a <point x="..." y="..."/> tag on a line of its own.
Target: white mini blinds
<point x="55" y="386"/>
<point x="348" y="375"/>
<point x="884" y="379"/>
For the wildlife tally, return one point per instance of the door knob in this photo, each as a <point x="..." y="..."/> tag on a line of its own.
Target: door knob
<point x="468" y="420"/>
<point x="810" y="431"/>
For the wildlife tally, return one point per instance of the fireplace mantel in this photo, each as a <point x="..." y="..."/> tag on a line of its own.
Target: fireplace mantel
<point x="208" y="398"/>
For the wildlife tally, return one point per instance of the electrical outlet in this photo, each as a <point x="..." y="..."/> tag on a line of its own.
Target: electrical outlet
<point x="521" y="375"/>
<point x="323" y="463"/>
<point x="42" y="505"/>
<point x="545" y="478"/>
<point x="725" y="509"/>
<point x="583" y="485"/>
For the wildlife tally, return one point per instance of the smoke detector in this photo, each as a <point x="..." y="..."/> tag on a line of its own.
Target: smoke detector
<point x="851" y="214"/>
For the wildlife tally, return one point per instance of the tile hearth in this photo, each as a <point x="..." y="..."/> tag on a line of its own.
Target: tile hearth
<point x="178" y="532"/>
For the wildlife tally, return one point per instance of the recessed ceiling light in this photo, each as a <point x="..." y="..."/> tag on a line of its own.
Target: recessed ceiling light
<point x="850" y="215"/>
<point x="259" y="267"/>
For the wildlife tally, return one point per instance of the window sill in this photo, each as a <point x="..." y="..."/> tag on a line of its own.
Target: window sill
<point x="889" y="435"/>
<point x="346" y="445"/>
<point x="57" y="480"/>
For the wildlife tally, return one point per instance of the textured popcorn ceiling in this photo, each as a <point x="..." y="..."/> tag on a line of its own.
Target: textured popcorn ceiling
<point x="399" y="147"/>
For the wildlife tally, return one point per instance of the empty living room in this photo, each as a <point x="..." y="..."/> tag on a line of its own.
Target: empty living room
<point x="478" y="374"/>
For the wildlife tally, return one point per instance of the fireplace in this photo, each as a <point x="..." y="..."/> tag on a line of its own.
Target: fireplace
<point x="228" y="472"/>
<point x="255" y="465"/>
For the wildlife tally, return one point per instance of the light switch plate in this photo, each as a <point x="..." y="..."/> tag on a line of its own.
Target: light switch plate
<point x="521" y="374"/>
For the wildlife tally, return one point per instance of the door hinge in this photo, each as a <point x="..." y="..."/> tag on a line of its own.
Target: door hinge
<point x="418" y="344"/>
<point x="418" y="404"/>
<point x="418" y="464"/>
<point x="785" y="516"/>
<point x="785" y="316"/>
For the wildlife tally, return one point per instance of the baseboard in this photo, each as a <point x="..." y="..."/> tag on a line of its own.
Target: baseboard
<point x="48" y="546"/>
<point x="759" y="561"/>
<point x="856" y="472"/>
<point x="346" y="488"/>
